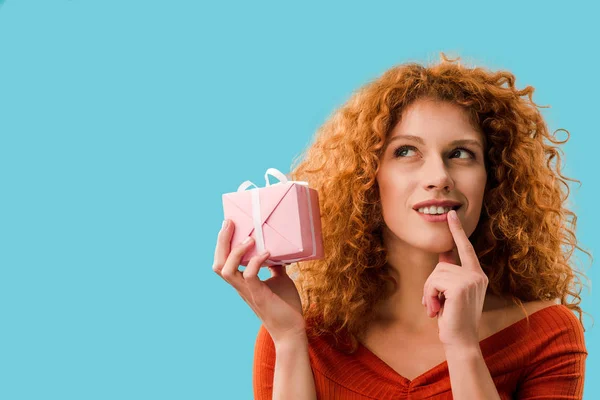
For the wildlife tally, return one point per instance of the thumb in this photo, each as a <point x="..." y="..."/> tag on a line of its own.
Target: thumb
<point x="277" y="270"/>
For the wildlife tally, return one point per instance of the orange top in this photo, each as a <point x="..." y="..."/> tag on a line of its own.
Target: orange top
<point x="547" y="361"/>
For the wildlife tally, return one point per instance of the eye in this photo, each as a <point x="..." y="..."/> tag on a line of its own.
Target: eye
<point x="401" y="149"/>
<point x="399" y="152"/>
<point x="465" y="150"/>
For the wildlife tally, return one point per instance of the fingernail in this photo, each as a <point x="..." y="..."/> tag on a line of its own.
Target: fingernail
<point x="225" y="223"/>
<point x="452" y="214"/>
<point x="264" y="253"/>
<point x="423" y="300"/>
<point x="247" y="240"/>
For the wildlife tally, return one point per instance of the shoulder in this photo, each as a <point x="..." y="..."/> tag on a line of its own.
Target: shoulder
<point x="537" y="305"/>
<point x="554" y="314"/>
<point x="549" y="313"/>
<point x="557" y="325"/>
<point x="502" y="313"/>
<point x="553" y="353"/>
<point x="503" y="307"/>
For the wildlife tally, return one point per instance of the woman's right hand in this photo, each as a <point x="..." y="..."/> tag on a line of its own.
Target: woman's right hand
<point x="275" y="301"/>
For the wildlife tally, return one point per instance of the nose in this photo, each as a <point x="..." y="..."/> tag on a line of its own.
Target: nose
<point x="438" y="177"/>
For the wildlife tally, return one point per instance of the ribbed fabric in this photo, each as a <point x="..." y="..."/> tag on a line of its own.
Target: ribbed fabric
<point x="546" y="361"/>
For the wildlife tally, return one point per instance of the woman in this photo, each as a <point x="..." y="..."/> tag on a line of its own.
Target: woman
<point x="407" y="303"/>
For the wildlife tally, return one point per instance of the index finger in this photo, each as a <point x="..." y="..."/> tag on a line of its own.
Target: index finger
<point x="223" y="243"/>
<point x="466" y="252"/>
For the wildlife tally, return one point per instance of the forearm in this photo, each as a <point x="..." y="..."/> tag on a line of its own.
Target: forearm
<point x="293" y="377"/>
<point x="470" y="377"/>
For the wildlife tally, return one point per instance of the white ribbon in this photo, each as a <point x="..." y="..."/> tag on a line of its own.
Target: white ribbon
<point x="256" y="217"/>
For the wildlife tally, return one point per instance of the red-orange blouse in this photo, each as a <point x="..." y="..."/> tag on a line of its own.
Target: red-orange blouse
<point x="545" y="362"/>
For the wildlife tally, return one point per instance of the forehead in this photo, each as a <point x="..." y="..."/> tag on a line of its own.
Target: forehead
<point x="428" y="120"/>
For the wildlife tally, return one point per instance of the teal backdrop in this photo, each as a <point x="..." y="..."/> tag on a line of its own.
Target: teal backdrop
<point x="123" y="122"/>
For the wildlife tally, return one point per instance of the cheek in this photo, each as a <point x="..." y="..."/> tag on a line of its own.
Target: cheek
<point x="473" y="188"/>
<point x="394" y="201"/>
<point x="472" y="217"/>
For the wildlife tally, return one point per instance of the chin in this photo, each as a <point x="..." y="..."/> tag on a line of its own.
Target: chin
<point x="435" y="245"/>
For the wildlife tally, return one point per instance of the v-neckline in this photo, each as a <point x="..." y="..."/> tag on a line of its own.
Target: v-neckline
<point x="486" y="345"/>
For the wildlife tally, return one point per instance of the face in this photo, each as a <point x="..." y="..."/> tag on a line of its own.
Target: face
<point x="430" y="166"/>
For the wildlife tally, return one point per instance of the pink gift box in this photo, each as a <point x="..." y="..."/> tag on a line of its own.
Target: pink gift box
<point x="283" y="218"/>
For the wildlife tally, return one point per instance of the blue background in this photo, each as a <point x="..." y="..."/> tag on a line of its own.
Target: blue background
<point x="123" y="122"/>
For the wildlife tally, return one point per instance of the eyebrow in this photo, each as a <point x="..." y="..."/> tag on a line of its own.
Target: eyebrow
<point x="420" y="140"/>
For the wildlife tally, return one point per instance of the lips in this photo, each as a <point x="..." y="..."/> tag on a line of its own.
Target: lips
<point x="453" y="208"/>
<point x="438" y="203"/>
<point x="435" y="217"/>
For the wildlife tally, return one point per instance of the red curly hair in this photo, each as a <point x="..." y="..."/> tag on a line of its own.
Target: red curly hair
<point x="523" y="224"/>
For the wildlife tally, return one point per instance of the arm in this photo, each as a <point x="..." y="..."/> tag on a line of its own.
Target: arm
<point x="282" y="369"/>
<point x="293" y="374"/>
<point x="470" y="377"/>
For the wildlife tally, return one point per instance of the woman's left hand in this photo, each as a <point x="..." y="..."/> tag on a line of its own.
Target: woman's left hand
<point x="462" y="284"/>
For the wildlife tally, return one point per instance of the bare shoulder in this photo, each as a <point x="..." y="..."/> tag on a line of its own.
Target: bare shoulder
<point x="514" y="313"/>
<point x="503" y="314"/>
<point x="503" y="305"/>
<point x="537" y="305"/>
